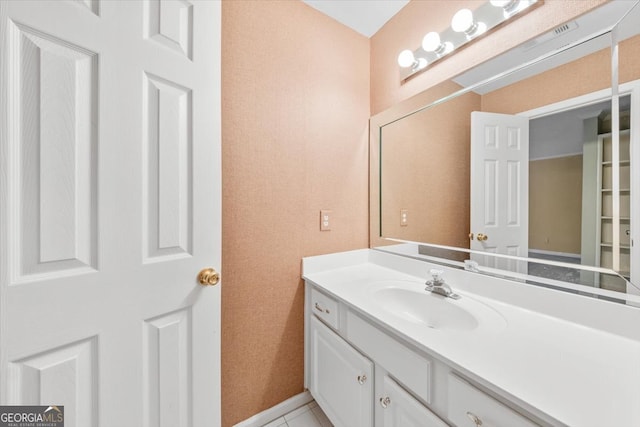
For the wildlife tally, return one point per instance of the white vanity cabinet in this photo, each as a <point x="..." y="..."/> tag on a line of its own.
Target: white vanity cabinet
<point x="362" y="375"/>
<point x="341" y="378"/>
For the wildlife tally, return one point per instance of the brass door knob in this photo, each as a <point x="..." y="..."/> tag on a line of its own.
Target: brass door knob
<point x="208" y="277"/>
<point x="482" y="237"/>
<point x="470" y="236"/>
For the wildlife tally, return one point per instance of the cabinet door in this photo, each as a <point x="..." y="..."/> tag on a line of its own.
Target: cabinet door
<point x="341" y="378"/>
<point x="400" y="409"/>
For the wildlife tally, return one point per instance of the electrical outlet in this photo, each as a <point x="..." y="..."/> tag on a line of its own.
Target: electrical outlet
<point x="404" y="217"/>
<point x="325" y="220"/>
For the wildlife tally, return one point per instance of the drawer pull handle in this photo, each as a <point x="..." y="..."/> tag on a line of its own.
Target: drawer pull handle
<point x="385" y="402"/>
<point x="320" y="309"/>
<point x="476" y="419"/>
<point x="362" y="379"/>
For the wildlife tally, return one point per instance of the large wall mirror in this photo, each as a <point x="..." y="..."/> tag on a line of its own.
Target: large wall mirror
<point x="528" y="156"/>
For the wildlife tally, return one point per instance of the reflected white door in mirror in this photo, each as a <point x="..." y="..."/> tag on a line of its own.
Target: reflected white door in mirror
<point x="520" y="362"/>
<point x="499" y="188"/>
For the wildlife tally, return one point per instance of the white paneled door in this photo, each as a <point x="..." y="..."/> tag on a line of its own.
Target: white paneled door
<point x="500" y="188"/>
<point x="109" y="208"/>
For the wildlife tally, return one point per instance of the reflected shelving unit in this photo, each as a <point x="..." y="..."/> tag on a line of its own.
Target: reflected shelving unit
<point x="604" y="254"/>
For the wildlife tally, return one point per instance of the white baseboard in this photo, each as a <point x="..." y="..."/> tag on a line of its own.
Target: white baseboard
<point x="281" y="409"/>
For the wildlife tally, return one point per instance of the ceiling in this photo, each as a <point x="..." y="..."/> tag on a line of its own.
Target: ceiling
<point x="364" y="16"/>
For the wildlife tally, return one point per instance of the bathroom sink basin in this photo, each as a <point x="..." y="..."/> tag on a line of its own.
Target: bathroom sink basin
<point x="410" y="302"/>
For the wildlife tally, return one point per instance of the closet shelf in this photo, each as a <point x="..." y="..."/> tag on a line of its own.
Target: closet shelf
<point x="609" y="190"/>
<point x="610" y="245"/>
<point x="621" y="162"/>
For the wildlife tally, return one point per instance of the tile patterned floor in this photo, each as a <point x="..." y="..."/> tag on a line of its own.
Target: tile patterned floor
<point x="309" y="415"/>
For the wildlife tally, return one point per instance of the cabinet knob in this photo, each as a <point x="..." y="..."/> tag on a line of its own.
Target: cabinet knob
<point x="385" y="402"/>
<point x="362" y="379"/>
<point x="476" y="419"/>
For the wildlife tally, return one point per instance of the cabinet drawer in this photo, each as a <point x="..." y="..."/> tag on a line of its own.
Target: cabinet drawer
<point x="466" y="404"/>
<point x="325" y="307"/>
<point x="407" y="366"/>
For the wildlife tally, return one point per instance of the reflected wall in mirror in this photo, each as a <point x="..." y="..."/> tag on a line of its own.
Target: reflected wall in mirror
<point x="562" y="194"/>
<point x="424" y="164"/>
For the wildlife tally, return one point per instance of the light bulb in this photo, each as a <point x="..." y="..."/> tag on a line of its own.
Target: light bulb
<point x="406" y="59"/>
<point x="462" y="21"/>
<point x="509" y="6"/>
<point x="431" y="42"/>
<point x="421" y="63"/>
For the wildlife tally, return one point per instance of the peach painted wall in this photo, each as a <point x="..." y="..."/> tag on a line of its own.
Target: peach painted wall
<point x="584" y="75"/>
<point x="295" y="109"/>
<point x="408" y="27"/>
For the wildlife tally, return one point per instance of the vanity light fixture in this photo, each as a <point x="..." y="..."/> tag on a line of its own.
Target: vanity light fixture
<point x="466" y="25"/>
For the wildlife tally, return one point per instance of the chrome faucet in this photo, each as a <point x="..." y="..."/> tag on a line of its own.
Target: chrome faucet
<point x="437" y="285"/>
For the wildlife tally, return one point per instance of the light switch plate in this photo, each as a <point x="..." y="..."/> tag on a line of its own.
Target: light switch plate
<point x="325" y="220"/>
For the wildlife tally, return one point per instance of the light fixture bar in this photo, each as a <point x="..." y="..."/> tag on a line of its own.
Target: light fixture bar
<point x="466" y="25"/>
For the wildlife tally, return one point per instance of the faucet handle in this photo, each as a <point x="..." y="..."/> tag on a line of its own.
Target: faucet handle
<point x="436" y="274"/>
<point x="471" y="265"/>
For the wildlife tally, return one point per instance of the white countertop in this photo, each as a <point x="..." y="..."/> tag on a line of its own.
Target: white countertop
<point x="579" y="375"/>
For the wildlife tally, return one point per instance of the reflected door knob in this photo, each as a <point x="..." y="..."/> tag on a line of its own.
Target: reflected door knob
<point x="482" y="237"/>
<point x="208" y="277"/>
